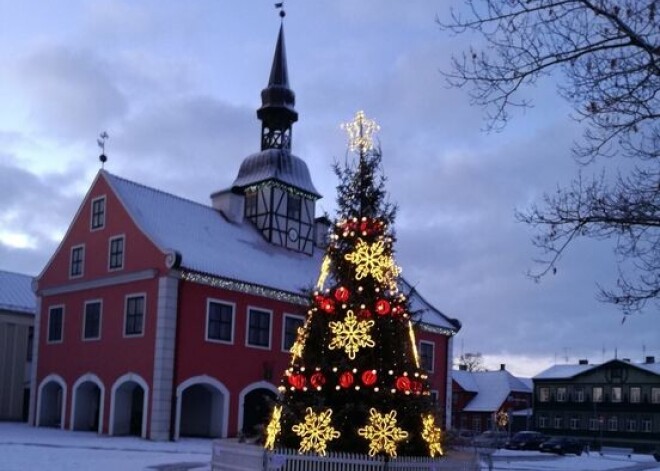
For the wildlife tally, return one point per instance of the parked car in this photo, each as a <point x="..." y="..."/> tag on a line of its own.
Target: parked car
<point x="525" y="440"/>
<point x="562" y="446"/>
<point x="490" y="439"/>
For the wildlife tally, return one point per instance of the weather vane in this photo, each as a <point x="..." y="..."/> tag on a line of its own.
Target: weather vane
<point x="360" y="132"/>
<point x="101" y="142"/>
<point x="280" y="7"/>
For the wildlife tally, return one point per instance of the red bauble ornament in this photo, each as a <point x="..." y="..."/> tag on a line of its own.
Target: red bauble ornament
<point x="341" y="294"/>
<point x="297" y="381"/>
<point x="364" y="313"/>
<point x="416" y="387"/>
<point x="328" y="305"/>
<point x="346" y="379"/>
<point x="317" y="379"/>
<point x="403" y="383"/>
<point x="369" y="377"/>
<point x="382" y="307"/>
<point x="364" y="226"/>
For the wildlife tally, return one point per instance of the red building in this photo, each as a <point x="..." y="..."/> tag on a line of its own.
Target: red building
<point x="482" y="398"/>
<point x="163" y="317"/>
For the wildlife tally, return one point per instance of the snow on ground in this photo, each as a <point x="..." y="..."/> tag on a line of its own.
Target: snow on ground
<point x="25" y="448"/>
<point x="535" y="461"/>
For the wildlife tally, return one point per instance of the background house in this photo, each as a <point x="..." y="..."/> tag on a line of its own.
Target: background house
<point x="162" y="317"/>
<point x="17" y="309"/>
<point x="613" y="403"/>
<point x="479" y="396"/>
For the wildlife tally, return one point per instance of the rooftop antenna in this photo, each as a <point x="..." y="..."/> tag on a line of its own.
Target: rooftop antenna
<point x="280" y="7"/>
<point x="101" y="142"/>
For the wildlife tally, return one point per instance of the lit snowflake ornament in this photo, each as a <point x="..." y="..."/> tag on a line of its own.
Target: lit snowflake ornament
<point x="315" y="431"/>
<point x="382" y="432"/>
<point x="274" y="428"/>
<point x="371" y="259"/>
<point x="351" y="334"/>
<point x="432" y="435"/>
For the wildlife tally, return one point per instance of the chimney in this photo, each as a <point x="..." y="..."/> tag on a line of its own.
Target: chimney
<point x="230" y="204"/>
<point x="649" y="360"/>
<point x="502" y="367"/>
<point x="627" y="360"/>
<point x="584" y="361"/>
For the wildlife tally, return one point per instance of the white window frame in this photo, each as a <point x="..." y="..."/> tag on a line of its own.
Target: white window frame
<point x="233" y="320"/>
<point x="91" y="213"/>
<point x="544" y="394"/>
<point x="82" y="262"/>
<point x="579" y="395"/>
<point x="50" y="308"/>
<point x="631" y="425"/>
<point x="620" y="396"/>
<point x="638" y="398"/>
<point x="655" y="395"/>
<point x="594" y="423"/>
<point x="432" y="344"/>
<point x="123" y="252"/>
<point x="574" y="423"/>
<point x="144" y="315"/>
<point x="558" y="422"/>
<point x="613" y="424"/>
<point x="593" y="394"/>
<point x="247" y="327"/>
<point x="284" y="318"/>
<point x="647" y="425"/>
<point x="84" y="320"/>
<point x="543" y="421"/>
<point x="561" y="394"/>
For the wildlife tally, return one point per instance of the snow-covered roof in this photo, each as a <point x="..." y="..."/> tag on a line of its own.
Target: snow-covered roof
<point x="211" y="244"/>
<point x="570" y="371"/>
<point x="16" y="293"/>
<point x="275" y="164"/>
<point x="492" y="388"/>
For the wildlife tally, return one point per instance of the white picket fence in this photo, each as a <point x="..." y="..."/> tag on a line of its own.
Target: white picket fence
<point x="231" y="456"/>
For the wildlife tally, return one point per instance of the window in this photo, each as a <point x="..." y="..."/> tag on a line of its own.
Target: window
<point x="92" y="321"/>
<point x="579" y="395"/>
<point x="616" y="394"/>
<point x="631" y="425"/>
<point x="290" y="334"/>
<point x="55" y="324"/>
<point x="98" y="213"/>
<point x="293" y="205"/>
<point x="434" y="397"/>
<point x="575" y="423"/>
<point x="77" y="261"/>
<point x="476" y="424"/>
<point x="613" y="424"/>
<point x="258" y="328"/>
<point x="635" y="395"/>
<point x="116" y="258"/>
<point x="544" y="394"/>
<point x="655" y="395"/>
<point x="134" y="318"/>
<point x="251" y="203"/>
<point x="561" y="394"/>
<point x="597" y="394"/>
<point x="543" y="421"/>
<point x="220" y="321"/>
<point x="427" y="354"/>
<point x="593" y="423"/>
<point x="559" y="421"/>
<point x="647" y="425"/>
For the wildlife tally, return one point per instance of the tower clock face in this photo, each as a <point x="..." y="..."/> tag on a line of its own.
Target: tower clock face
<point x="292" y="235"/>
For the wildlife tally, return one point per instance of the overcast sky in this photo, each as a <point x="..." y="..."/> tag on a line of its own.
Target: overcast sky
<point x="176" y="85"/>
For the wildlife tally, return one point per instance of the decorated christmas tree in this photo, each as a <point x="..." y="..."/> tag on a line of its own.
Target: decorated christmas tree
<point x="355" y="382"/>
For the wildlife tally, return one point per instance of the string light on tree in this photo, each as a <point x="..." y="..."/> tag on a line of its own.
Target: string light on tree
<point x="432" y="435"/>
<point x="274" y="428"/>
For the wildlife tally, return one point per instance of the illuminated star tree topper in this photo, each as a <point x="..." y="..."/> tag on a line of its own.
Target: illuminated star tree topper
<point x="360" y="133"/>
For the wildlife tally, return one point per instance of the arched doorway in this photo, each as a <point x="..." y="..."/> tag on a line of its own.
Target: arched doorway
<point x="202" y="408"/>
<point x="128" y="407"/>
<point x="51" y="402"/>
<point x="87" y="404"/>
<point x="256" y="403"/>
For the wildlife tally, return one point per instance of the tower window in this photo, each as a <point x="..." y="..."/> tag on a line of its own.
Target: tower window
<point x="98" y="213"/>
<point x="293" y="206"/>
<point x="251" y="203"/>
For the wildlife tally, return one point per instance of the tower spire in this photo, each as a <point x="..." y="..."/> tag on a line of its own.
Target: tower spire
<point x="277" y="112"/>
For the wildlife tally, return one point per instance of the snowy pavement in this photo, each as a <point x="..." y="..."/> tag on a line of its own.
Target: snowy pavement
<point x="535" y="461"/>
<point x="24" y="448"/>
